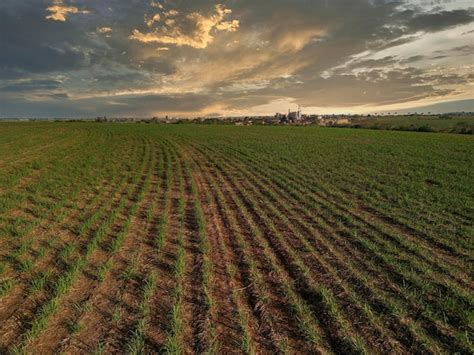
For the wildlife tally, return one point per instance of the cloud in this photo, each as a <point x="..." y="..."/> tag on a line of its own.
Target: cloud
<point x="60" y="13"/>
<point x="193" y="30"/>
<point x="156" y="4"/>
<point x="150" y="21"/>
<point x="42" y="58"/>
<point x="317" y="53"/>
<point x="412" y="59"/>
<point x="31" y="85"/>
<point x="31" y="45"/>
<point x="171" y="13"/>
<point x="104" y="30"/>
<point x="58" y="96"/>
<point x="438" y="21"/>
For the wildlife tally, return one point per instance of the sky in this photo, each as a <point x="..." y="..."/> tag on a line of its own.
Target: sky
<point x="183" y="58"/>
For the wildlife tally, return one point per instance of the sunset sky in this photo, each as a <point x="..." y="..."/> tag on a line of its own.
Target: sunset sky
<point x="85" y="58"/>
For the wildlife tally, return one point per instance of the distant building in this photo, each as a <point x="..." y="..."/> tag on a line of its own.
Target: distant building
<point x="291" y="117"/>
<point x="294" y="116"/>
<point x="333" y="121"/>
<point x="343" y="121"/>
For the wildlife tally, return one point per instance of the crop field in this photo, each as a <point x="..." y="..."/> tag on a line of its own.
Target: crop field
<point x="136" y="238"/>
<point x="448" y="124"/>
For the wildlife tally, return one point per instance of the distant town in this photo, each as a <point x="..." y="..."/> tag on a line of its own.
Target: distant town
<point x="296" y="118"/>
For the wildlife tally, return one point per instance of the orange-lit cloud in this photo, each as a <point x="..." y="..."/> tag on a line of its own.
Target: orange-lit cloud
<point x="60" y="12"/>
<point x="150" y="21"/>
<point x="296" y="40"/>
<point x="193" y="30"/>
<point x="104" y="30"/>
<point x="156" y="4"/>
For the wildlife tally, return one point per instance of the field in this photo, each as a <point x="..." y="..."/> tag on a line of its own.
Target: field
<point x="446" y="124"/>
<point x="136" y="238"/>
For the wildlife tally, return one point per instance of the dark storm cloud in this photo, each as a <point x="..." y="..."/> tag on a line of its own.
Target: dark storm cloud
<point x="31" y="44"/>
<point x="58" y="96"/>
<point x="164" y="103"/>
<point x="10" y="74"/>
<point x="438" y="21"/>
<point x="238" y="55"/>
<point x="138" y="106"/>
<point x="412" y="59"/>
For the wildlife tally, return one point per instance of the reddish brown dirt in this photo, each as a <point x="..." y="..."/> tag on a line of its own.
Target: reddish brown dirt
<point x="275" y="321"/>
<point x="16" y="307"/>
<point x="89" y="290"/>
<point x="226" y="319"/>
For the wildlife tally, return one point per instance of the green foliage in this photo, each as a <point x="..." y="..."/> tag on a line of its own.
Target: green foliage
<point x="5" y="286"/>
<point x="351" y="235"/>
<point x="435" y="123"/>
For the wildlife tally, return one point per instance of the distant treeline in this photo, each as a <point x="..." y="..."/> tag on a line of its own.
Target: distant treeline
<point x="439" y="124"/>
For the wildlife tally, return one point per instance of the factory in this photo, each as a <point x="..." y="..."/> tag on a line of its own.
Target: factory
<point x="291" y="117"/>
